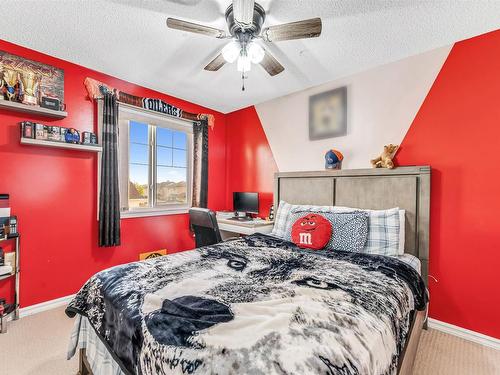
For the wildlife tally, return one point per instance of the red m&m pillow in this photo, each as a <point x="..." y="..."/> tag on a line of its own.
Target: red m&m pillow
<point x="312" y="231"/>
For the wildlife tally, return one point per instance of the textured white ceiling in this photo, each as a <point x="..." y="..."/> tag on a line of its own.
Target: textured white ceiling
<point x="128" y="39"/>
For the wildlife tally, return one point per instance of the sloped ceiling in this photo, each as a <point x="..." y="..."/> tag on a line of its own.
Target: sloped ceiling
<point x="128" y="39"/>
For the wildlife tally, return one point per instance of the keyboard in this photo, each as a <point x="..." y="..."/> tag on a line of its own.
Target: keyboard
<point x="242" y="218"/>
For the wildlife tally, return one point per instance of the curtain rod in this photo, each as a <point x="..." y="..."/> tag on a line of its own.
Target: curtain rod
<point x="151" y="111"/>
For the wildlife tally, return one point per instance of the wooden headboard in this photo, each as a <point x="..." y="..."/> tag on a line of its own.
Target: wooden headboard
<point x="405" y="187"/>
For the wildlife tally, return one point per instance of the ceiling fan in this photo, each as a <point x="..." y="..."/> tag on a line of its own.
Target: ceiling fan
<point x="244" y="20"/>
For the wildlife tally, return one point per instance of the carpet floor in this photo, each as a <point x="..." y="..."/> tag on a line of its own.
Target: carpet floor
<point x="36" y="345"/>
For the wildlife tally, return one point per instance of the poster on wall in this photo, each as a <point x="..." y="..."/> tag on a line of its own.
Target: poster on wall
<point x="328" y="114"/>
<point x="30" y="82"/>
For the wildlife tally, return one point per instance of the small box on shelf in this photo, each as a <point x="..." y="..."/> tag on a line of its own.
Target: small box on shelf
<point x="27" y="129"/>
<point x="51" y="103"/>
<point x="54" y="134"/>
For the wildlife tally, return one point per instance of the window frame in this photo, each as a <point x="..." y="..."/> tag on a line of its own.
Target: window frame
<point x="128" y="113"/>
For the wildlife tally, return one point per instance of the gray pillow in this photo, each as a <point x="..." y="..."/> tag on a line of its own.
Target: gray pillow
<point x="349" y="229"/>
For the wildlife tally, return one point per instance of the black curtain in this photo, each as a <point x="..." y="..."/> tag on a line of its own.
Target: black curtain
<point x="109" y="197"/>
<point x="200" y="161"/>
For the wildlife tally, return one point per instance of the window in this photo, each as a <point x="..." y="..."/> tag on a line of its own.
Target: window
<point x="154" y="163"/>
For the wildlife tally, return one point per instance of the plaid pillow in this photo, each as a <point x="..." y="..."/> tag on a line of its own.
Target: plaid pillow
<point x="279" y="228"/>
<point x="383" y="232"/>
<point x="284" y="212"/>
<point x="349" y="229"/>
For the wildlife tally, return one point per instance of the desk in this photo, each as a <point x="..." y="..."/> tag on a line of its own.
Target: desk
<point x="230" y="228"/>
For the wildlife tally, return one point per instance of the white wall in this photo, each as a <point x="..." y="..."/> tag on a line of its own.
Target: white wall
<point x="382" y="104"/>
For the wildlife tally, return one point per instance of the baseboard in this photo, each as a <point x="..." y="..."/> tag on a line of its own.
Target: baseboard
<point x="465" y="334"/>
<point x="44" y="306"/>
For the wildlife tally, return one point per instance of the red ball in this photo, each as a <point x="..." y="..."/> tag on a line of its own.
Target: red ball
<point x="312" y="231"/>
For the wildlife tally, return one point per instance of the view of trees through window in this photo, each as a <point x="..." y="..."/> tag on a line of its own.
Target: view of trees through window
<point x="168" y="175"/>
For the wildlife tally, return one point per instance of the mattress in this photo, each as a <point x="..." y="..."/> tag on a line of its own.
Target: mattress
<point x="258" y="303"/>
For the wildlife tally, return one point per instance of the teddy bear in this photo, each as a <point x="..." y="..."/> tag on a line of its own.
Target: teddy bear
<point x="385" y="159"/>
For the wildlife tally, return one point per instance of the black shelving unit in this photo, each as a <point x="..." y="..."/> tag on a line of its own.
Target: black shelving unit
<point x="14" y="310"/>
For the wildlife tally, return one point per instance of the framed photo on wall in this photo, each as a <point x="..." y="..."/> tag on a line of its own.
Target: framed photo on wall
<point x="328" y="114"/>
<point x="27" y="81"/>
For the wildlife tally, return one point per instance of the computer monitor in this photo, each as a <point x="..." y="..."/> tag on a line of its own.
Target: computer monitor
<point x="246" y="202"/>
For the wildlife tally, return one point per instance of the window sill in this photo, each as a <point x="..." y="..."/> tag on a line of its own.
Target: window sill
<point x="149" y="213"/>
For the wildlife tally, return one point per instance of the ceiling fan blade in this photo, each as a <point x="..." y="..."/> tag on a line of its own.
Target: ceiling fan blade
<point x="271" y="65"/>
<point x="294" y="30"/>
<point x="243" y="11"/>
<point x="216" y="63"/>
<point x="196" y="28"/>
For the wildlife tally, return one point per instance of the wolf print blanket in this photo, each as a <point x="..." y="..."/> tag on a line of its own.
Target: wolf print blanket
<point x="257" y="305"/>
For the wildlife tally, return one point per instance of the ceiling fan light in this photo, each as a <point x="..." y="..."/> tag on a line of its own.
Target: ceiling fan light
<point x="255" y="53"/>
<point x="244" y="64"/>
<point x="231" y="51"/>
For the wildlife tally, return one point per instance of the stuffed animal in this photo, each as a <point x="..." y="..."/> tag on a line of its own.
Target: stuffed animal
<point x="385" y="159"/>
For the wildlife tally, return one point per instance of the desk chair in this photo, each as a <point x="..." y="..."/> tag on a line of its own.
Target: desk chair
<point x="205" y="227"/>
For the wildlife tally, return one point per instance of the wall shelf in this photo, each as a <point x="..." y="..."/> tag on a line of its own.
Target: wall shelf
<point x="6" y="276"/>
<point x="67" y="146"/>
<point x="36" y="110"/>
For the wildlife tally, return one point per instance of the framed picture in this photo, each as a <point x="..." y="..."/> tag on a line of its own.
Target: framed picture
<point x="26" y="81"/>
<point x="328" y="114"/>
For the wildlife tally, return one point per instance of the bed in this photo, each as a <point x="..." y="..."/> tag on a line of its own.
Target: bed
<point x="260" y="304"/>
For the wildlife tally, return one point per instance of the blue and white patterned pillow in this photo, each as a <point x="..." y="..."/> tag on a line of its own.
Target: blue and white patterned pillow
<point x="349" y="229"/>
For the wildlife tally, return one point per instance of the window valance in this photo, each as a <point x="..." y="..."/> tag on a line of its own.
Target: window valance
<point x="98" y="89"/>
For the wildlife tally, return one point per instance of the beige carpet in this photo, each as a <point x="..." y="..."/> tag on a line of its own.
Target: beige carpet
<point x="36" y="345"/>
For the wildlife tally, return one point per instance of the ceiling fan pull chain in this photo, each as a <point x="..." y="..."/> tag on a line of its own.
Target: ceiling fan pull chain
<point x="243" y="81"/>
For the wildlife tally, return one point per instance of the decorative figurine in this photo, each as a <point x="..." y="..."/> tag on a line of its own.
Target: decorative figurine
<point x="72" y="136"/>
<point x="385" y="159"/>
<point x="29" y="88"/>
<point x="11" y="89"/>
<point x="271" y="213"/>
<point x="333" y="159"/>
<point x="2" y="82"/>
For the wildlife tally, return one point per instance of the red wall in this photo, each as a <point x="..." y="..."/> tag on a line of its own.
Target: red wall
<point x="53" y="193"/>
<point x="457" y="132"/>
<point x="250" y="165"/>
